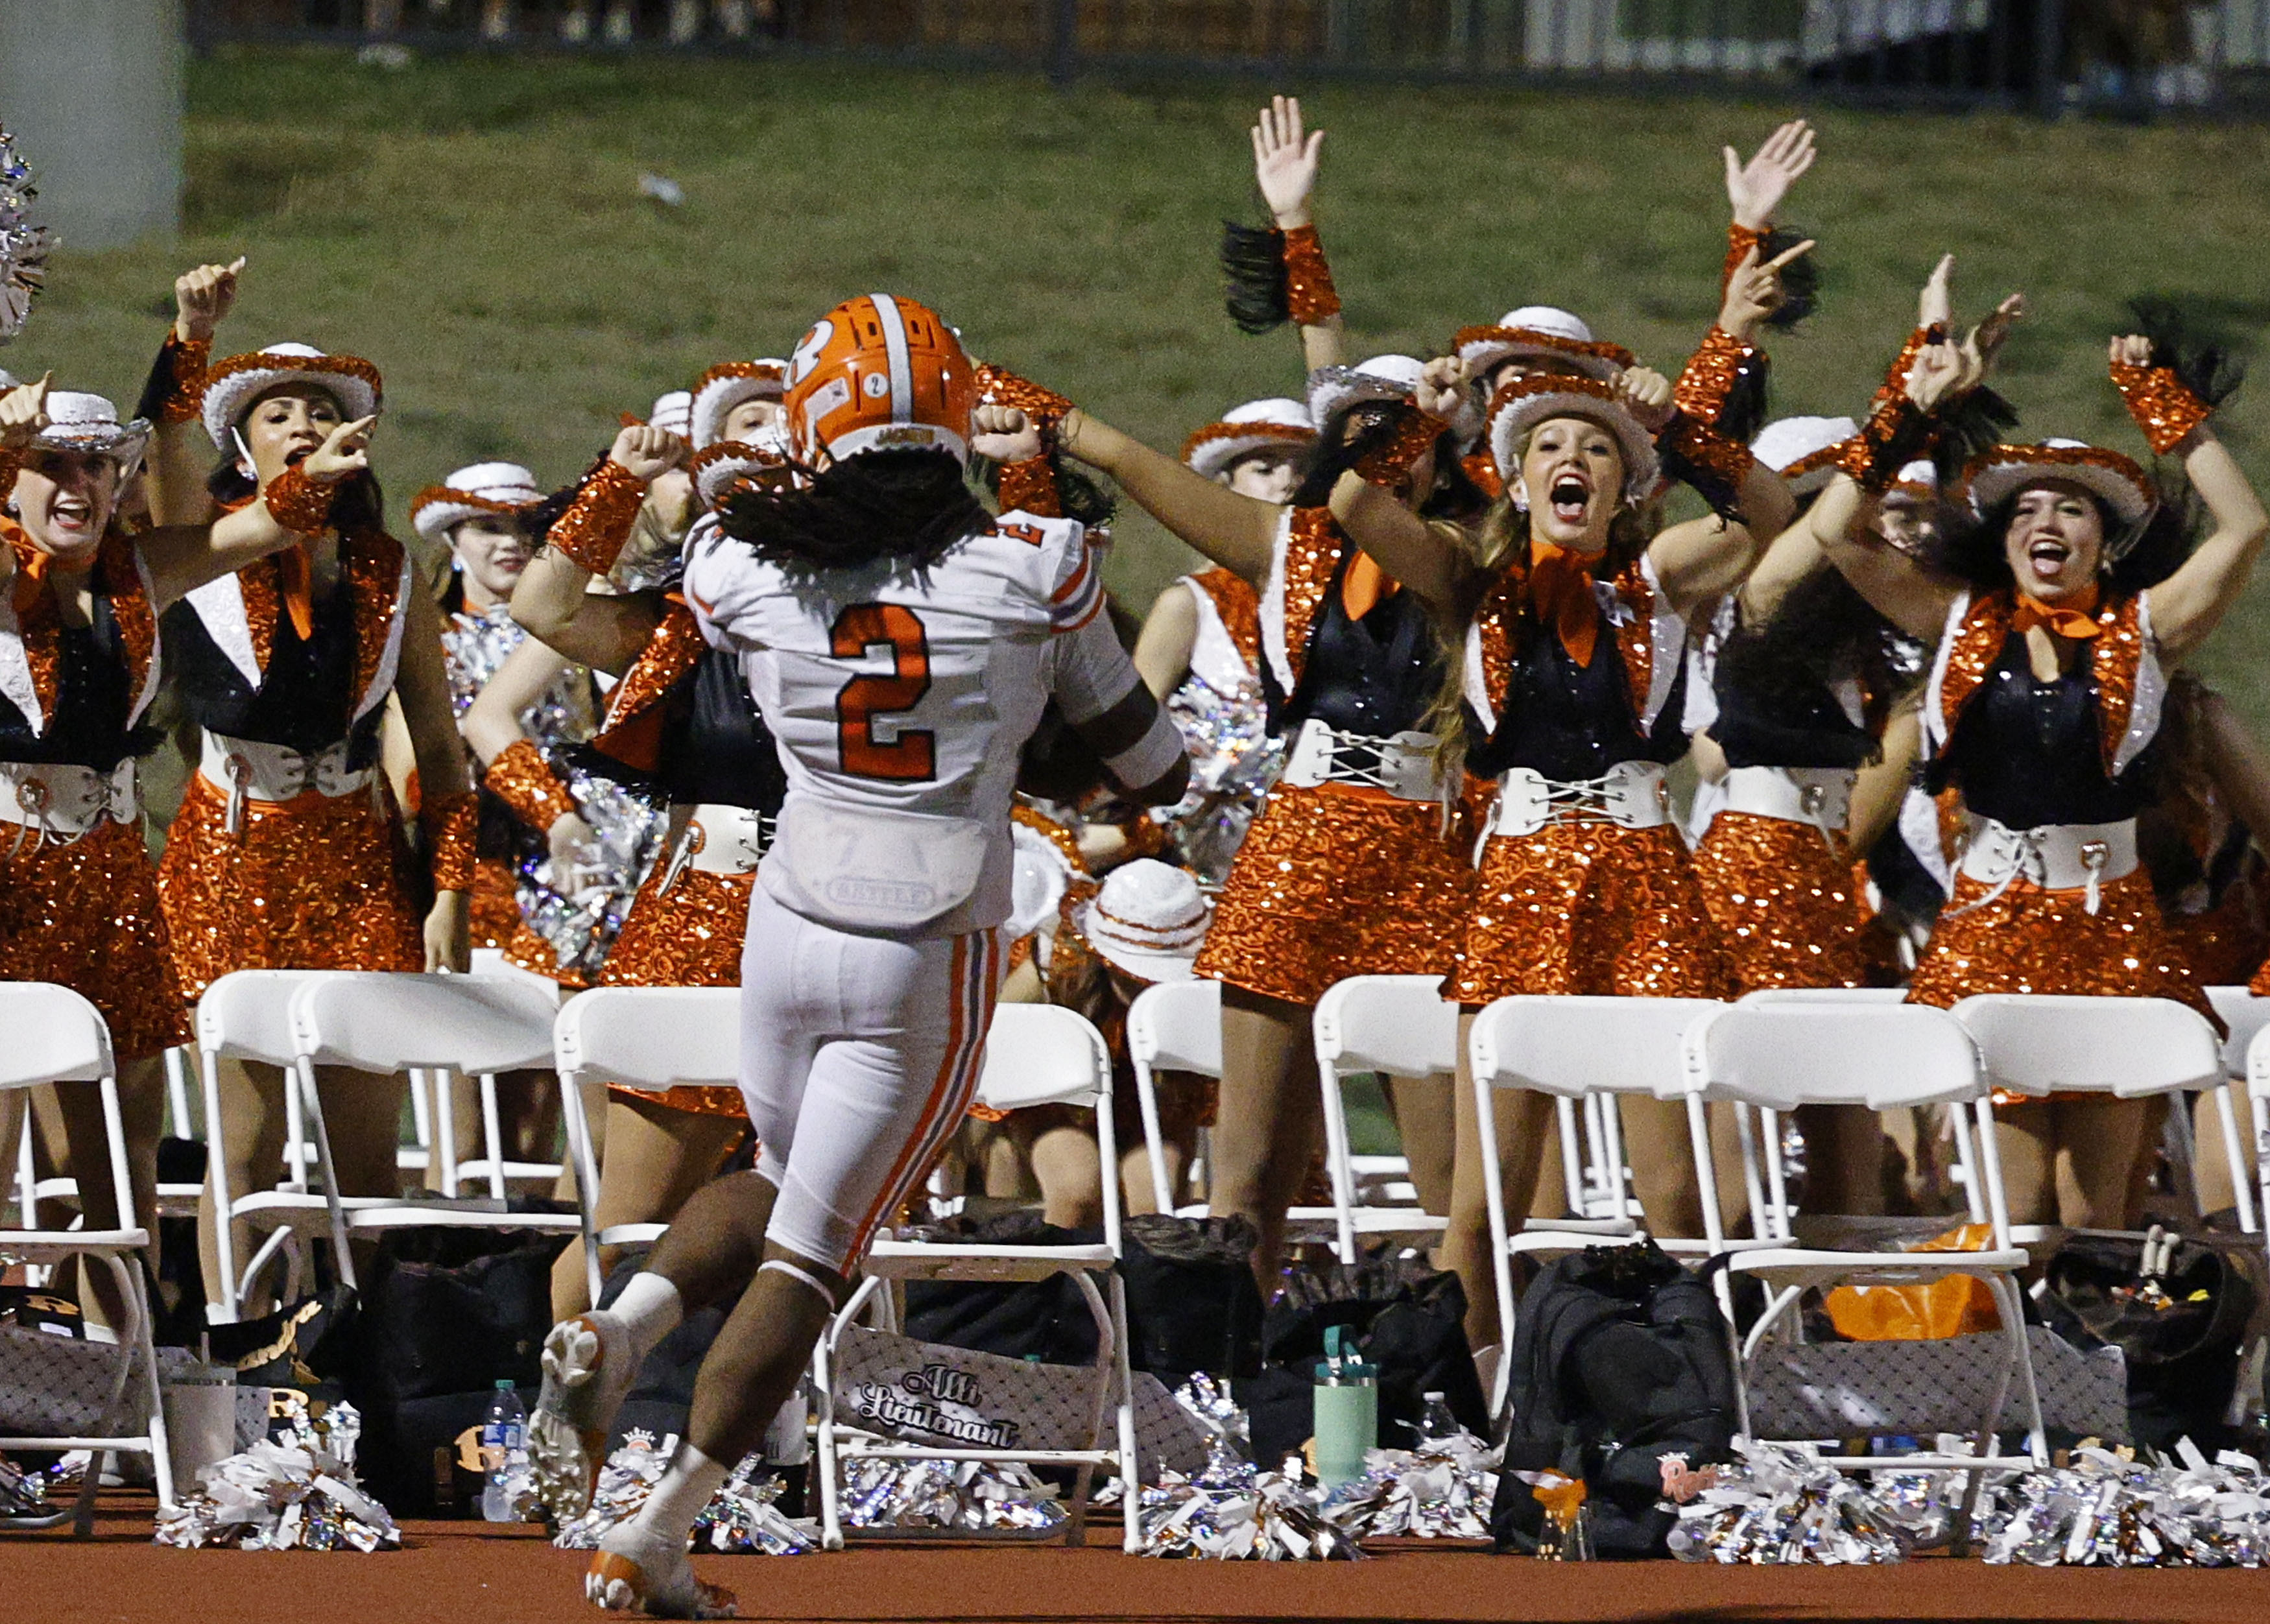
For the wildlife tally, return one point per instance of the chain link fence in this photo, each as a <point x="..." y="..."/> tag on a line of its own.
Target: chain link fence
<point x="2135" y="57"/>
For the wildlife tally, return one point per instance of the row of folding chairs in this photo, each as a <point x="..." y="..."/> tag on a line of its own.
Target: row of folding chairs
<point x="639" y="1037"/>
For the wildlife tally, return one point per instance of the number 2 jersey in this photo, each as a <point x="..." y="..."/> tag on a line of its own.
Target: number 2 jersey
<point x="899" y="699"/>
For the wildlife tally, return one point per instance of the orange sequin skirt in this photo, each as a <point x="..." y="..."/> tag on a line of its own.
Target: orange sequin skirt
<point x="1330" y="883"/>
<point x="314" y="883"/>
<point x="1589" y="909"/>
<point x="85" y="915"/>
<point x="2030" y="939"/>
<point x="1782" y="896"/>
<point x="688" y="936"/>
<point x="492" y="912"/>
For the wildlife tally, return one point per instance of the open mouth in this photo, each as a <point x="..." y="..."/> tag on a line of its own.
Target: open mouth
<point x="2047" y="557"/>
<point x="1570" y="495"/>
<point x="72" y="512"/>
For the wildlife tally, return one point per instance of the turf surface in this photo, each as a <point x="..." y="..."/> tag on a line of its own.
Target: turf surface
<point x="476" y="226"/>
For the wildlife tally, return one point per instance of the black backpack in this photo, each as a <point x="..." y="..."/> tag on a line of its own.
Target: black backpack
<point x="1620" y="1357"/>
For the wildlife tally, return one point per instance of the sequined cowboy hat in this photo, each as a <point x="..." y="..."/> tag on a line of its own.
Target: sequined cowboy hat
<point x="482" y="488"/>
<point x="1277" y="423"/>
<point x="234" y="385"/>
<point x="1538" y="333"/>
<point x="721" y="389"/>
<point x="1526" y="402"/>
<point x="2116" y="480"/>
<point x="1334" y="389"/>
<point x="1803" y="450"/>
<point x="89" y="423"/>
<point x="1149" y="919"/>
<point x="722" y="466"/>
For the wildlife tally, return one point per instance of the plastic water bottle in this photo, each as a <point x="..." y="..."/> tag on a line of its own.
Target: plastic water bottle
<point x="1438" y="1422"/>
<point x="504" y="1453"/>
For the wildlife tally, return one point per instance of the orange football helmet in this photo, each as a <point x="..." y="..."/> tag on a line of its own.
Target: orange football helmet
<point x="877" y="374"/>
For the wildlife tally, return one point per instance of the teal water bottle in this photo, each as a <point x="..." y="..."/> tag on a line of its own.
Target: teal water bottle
<point x="1348" y="1410"/>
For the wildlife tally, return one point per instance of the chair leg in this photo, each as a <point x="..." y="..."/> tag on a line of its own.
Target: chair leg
<point x="140" y="1341"/>
<point x="1131" y="1459"/>
<point x="823" y="1376"/>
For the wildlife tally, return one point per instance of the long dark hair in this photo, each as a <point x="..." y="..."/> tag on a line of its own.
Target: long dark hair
<point x="1821" y="634"/>
<point x="910" y="506"/>
<point x="1973" y="550"/>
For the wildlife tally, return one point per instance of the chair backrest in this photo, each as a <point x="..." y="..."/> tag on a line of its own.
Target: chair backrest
<point x="385" y="1022"/>
<point x="651" y="1037"/>
<point x="1780" y="1056"/>
<point x="53" y="1035"/>
<point x="1037" y="1053"/>
<point x="2244" y="1015"/>
<point x="1176" y="1026"/>
<point x="1576" y="1046"/>
<point x="2040" y="1044"/>
<point x="1826" y="995"/>
<point x="1396" y="1024"/>
<point x="247" y="1014"/>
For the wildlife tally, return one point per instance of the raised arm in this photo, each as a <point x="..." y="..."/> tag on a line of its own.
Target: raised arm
<point x="1285" y="168"/>
<point x="2190" y="603"/>
<point x="1237" y="532"/>
<point x="296" y="505"/>
<point x="1896" y="586"/>
<point x="179" y="449"/>
<point x="553" y="599"/>
<point x="1171" y="635"/>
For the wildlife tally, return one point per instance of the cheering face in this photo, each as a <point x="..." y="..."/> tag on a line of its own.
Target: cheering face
<point x="1573" y="474"/>
<point x="2055" y="542"/>
<point x="492" y="549"/>
<point x="64" y="501"/>
<point x="753" y="417"/>
<point x="1270" y="475"/>
<point x="284" y="424"/>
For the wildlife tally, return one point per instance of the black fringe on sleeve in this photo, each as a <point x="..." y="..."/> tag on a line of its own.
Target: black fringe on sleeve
<point x="1253" y="259"/>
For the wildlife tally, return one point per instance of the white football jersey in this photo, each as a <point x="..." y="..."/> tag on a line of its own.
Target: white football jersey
<point x="899" y="699"/>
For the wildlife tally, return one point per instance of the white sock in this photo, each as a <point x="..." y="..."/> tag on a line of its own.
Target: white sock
<point x="687" y="1485"/>
<point x="648" y="1310"/>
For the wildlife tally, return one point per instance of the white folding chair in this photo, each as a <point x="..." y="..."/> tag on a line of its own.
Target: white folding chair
<point x="491" y="1165"/>
<point x="55" y="1035"/>
<point x="1780" y="1056"/>
<point x="1172" y="1026"/>
<point x="1395" y="1025"/>
<point x="247" y="1015"/>
<point x="1036" y="1054"/>
<point x="2125" y="1048"/>
<point x="2245" y="1015"/>
<point x="641" y="1037"/>
<point x="387" y="1023"/>
<point x="1573" y="1048"/>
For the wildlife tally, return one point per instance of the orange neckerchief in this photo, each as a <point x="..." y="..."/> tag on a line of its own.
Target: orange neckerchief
<point x="295" y="575"/>
<point x="32" y="564"/>
<point x="1364" y="585"/>
<point x="2078" y="621"/>
<point x="1561" y="596"/>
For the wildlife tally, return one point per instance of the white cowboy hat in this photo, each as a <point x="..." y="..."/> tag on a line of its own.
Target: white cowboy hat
<point x="1526" y="402"/>
<point x="721" y="389"/>
<point x="674" y="413"/>
<point x="1277" y="423"/>
<point x="1149" y="920"/>
<point x="2122" y="485"/>
<point x="1803" y="450"/>
<point x="234" y="385"/>
<point x="1334" y="389"/>
<point x="1041" y="873"/>
<point x="89" y="423"/>
<point x="482" y="488"/>
<point x="1539" y="332"/>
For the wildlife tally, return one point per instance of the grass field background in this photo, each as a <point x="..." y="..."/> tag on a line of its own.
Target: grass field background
<point x="474" y="225"/>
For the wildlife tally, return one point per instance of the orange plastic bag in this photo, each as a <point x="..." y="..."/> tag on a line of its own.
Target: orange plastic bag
<point x="1957" y="1305"/>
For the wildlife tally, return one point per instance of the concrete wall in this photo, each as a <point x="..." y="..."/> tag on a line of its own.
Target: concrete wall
<point x="91" y="89"/>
